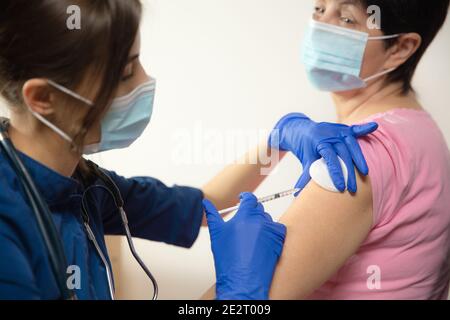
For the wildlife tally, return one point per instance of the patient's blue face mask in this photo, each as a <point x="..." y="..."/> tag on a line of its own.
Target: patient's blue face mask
<point x="334" y="55"/>
<point x="124" y="122"/>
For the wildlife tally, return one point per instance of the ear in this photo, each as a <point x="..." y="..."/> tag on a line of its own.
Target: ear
<point x="406" y="45"/>
<point x="37" y="95"/>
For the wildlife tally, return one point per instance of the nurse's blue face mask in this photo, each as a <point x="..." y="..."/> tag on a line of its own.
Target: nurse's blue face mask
<point x="123" y="124"/>
<point x="334" y="55"/>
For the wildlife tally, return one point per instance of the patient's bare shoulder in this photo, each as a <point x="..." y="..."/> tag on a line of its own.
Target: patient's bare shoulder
<point x="324" y="229"/>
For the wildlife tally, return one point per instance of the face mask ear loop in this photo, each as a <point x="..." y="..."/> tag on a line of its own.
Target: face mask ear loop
<point x="70" y="93"/>
<point x="61" y="133"/>
<point x="386" y="37"/>
<point x="386" y="71"/>
<point x="378" y="75"/>
<point x="51" y="126"/>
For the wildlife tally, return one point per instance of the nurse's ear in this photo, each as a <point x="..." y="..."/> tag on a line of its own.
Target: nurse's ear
<point x="39" y="96"/>
<point x="406" y="45"/>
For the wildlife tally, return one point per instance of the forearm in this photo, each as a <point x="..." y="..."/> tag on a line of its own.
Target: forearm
<point x="243" y="176"/>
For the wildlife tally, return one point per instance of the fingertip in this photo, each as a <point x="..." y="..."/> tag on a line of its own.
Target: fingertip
<point x="303" y="181"/>
<point x="362" y="166"/>
<point x="338" y="180"/>
<point x="208" y="206"/>
<point x="205" y="202"/>
<point x="247" y="196"/>
<point x="365" y="171"/>
<point x="339" y="183"/>
<point x="374" y="125"/>
<point x="352" y="186"/>
<point x="248" y="200"/>
<point x="365" y="129"/>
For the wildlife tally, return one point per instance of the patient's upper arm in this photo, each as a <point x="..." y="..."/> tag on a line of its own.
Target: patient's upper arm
<point x="324" y="229"/>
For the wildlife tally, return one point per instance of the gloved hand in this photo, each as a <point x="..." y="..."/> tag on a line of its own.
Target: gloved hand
<point x="246" y="250"/>
<point x="309" y="141"/>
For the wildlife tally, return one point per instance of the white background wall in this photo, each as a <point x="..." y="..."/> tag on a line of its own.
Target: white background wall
<point x="224" y="64"/>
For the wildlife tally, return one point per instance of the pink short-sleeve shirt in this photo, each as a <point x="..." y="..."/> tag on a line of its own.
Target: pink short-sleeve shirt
<point x="407" y="252"/>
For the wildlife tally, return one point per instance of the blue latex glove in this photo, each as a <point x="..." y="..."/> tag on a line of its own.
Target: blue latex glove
<point x="309" y="141"/>
<point x="246" y="250"/>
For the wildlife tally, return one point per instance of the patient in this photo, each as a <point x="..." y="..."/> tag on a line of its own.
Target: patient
<point x="391" y="239"/>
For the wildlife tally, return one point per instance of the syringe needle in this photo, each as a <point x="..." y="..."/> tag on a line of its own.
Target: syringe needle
<point x="275" y="196"/>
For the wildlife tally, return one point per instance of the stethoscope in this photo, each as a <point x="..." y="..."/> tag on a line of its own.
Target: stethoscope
<point x="47" y="227"/>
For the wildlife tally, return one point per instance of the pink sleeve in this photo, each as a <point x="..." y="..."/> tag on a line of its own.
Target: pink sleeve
<point x="377" y="150"/>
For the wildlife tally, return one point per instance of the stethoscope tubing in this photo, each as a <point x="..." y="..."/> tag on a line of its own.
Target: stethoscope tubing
<point x="46" y="225"/>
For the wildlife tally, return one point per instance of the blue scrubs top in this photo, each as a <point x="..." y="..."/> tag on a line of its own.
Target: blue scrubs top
<point x="155" y="212"/>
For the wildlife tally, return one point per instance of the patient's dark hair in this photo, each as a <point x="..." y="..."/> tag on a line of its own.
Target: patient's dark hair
<point x="35" y="42"/>
<point x="402" y="16"/>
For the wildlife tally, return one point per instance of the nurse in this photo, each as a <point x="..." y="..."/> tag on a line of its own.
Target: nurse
<point x="75" y="92"/>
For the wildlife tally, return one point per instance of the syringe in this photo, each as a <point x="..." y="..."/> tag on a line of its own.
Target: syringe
<point x="264" y="199"/>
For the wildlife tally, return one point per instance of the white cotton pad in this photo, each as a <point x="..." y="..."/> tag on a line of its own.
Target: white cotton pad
<point x="319" y="174"/>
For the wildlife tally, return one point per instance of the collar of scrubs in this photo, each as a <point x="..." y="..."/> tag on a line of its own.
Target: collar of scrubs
<point x="53" y="186"/>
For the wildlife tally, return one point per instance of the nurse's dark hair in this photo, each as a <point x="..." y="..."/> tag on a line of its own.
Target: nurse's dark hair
<point x="36" y="42"/>
<point x="403" y="16"/>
